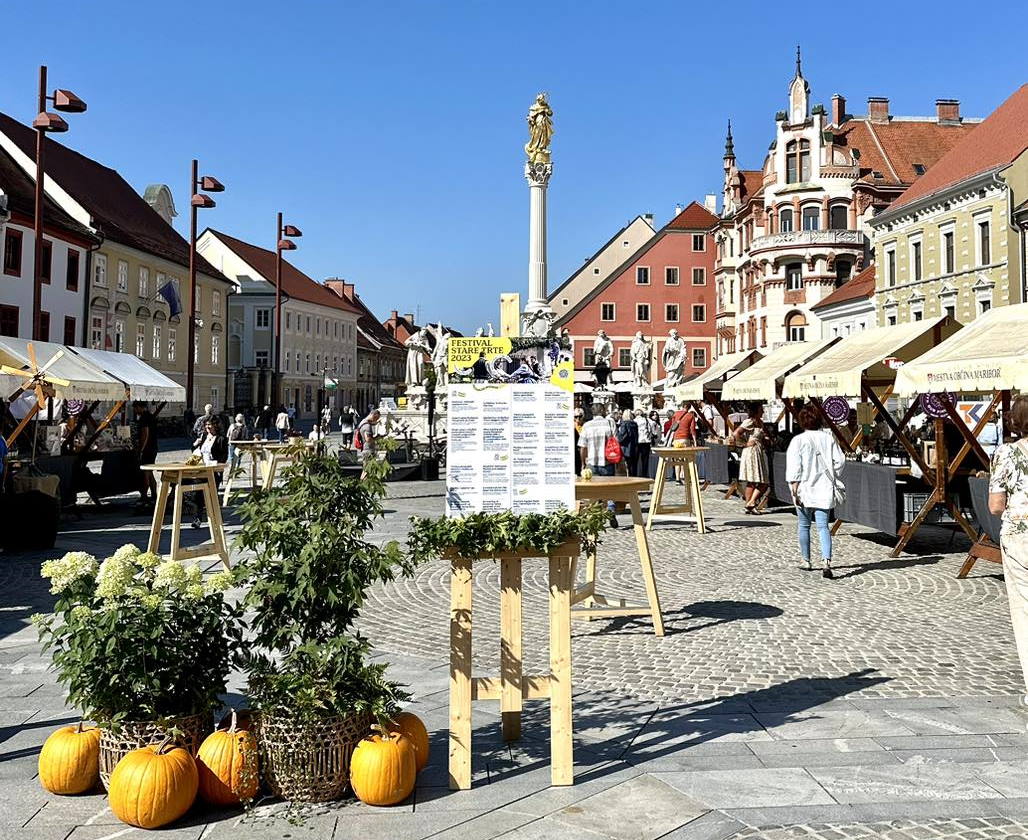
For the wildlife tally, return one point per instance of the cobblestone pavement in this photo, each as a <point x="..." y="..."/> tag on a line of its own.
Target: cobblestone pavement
<point x="882" y="704"/>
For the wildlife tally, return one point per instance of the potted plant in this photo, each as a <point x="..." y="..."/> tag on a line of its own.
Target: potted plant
<point x="143" y="646"/>
<point x="309" y="573"/>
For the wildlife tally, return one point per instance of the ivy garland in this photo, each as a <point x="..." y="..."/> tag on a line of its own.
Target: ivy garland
<point x="484" y="534"/>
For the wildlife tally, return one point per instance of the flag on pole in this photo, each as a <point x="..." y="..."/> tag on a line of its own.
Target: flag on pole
<point x="170" y="293"/>
<point x="331" y="383"/>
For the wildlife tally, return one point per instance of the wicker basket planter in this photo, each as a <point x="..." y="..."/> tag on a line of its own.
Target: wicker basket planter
<point x="131" y="735"/>
<point x="308" y="762"/>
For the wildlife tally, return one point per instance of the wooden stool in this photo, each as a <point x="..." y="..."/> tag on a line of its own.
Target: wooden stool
<point x="255" y="450"/>
<point x="684" y="457"/>
<point x="512" y="687"/>
<point x="188" y="478"/>
<point x="605" y="488"/>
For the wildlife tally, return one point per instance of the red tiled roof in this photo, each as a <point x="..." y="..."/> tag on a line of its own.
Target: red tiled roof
<point x="856" y="288"/>
<point x="751" y="181"/>
<point x="295" y="283"/>
<point x="693" y="217"/>
<point x="367" y="321"/>
<point x="997" y="141"/>
<point x="20" y="190"/>
<point x="118" y="211"/>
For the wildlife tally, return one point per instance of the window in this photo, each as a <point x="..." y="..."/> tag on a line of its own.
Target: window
<point x="948" y="266"/>
<point x="671" y="275"/>
<point x="96" y="332"/>
<point x="671" y="313"/>
<point x="984" y="305"/>
<point x="144" y="281"/>
<point x="172" y="343"/>
<point x="699" y="313"/>
<point x="308" y="325"/>
<point x="919" y="169"/>
<point x="141" y="341"/>
<point x="289" y="320"/>
<point x="199" y="299"/>
<point x="699" y="277"/>
<point x="69" y="330"/>
<point x="890" y="266"/>
<point x="215" y="393"/>
<point x="196" y="348"/>
<point x="699" y="357"/>
<point x="596" y="270"/>
<point x="289" y="360"/>
<point x="317" y="326"/>
<point x="812" y="218"/>
<point x="12" y="253"/>
<point x="588" y="357"/>
<point x="624" y="243"/>
<point x="260" y="358"/>
<point x="607" y="311"/>
<point x="122" y="276"/>
<point x="795" y="327"/>
<point x="838" y="217"/>
<point x="215" y="349"/>
<point x="892" y="320"/>
<point x="625" y="357"/>
<point x="950" y="311"/>
<point x="263" y="317"/>
<point x="47" y="263"/>
<point x="119" y="336"/>
<point x="642" y="275"/>
<point x="785" y="220"/>
<point x="642" y="312"/>
<point x="794" y="277"/>
<point x="843" y="270"/>
<point x="44" y="325"/>
<point x="215" y="303"/>
<point x="156" y="348"/>
<point x="915" y="260"/>
<point x="100" y="271"/>
<point x="307" y="359"/>
<point x="9" y="320"/>
<point x="71" y="276"/>
<point x="699" y="242"/>
<point x="797" y="161"/>
<point x="984" y="243"/>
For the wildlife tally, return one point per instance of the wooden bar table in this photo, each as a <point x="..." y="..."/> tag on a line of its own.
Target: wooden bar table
<point x="277" y="456"/>
<point x="683" y="457"/>
<point x="187" y="478"/>
<point x="256" y="451"/>
<point x="615" y="488"/>
<point x="512" y="687"/>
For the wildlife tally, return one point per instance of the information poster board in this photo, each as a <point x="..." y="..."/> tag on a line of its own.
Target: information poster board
<point x="509" y="426"/>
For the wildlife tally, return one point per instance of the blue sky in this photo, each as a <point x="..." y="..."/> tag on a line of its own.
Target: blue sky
<point x="391" y="132"/>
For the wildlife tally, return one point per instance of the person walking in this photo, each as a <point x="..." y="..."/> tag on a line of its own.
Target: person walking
<point x="282" y="423"/>
<point x="366" y="439"/>
<point x="265" y="421"/>
<point x="749" y="434"/>
<point x="628" y="438"/>
<point x="200" y="425"/>
<point x="237" y="431"/>
<point x="212" y="446"/>
<point x="813" y="470"/>
<point x="649" y="433"/>
<point x="146" y="451"/>
<point x="346" y="426"/>
<point x="1008" y="497"/>
<point x="593" y="444"/>
<point x="579" y="422"/>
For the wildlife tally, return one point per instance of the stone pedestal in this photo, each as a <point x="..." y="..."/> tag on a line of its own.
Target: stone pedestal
<point x="538" y="317"/>
<point x="642" y="399"/>
<point x="607" y="399"/>
<point x="414" y="417"/>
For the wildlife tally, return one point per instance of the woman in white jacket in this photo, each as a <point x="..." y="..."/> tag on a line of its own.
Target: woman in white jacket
<point x="813" y="466"/>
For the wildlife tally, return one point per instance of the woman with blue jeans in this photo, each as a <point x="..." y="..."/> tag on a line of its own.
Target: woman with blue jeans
<point x="813" y="464"/>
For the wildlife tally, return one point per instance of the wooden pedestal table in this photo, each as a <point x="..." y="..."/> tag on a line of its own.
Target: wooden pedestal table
<point x="186" y="478"/>
<point x="669" y="457"/>
<point x="255" y="450"/>
<point x="277" y="456"/>
<point x="607" y="488"/>
<point x="512" y="687"/>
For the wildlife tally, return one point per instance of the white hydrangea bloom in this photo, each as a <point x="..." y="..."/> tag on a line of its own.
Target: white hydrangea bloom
<point x="170" y="575"/>
<point x="193" y="575"/>
<point x="114" y="577"/>
<point x="220" y="581"/>
<point x="148" y="560"/>
<point x="194" y="592"/>
<point x="69" y="568"/>
<point x="152" y="601"/>
<point x="127" y="552"/>
<point x="81" y="612"/>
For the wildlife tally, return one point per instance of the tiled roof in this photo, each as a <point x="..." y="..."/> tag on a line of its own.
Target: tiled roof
<point x="369" y="324"/>
<point x="997" y="141"/>
<point x="752" y="182"/>
<point x="20" y="190"/>
<point x="693" y="217"/>
<point x="118" y="211"/>
<point x="859" y="287"/>
<point x="295" y="283"/>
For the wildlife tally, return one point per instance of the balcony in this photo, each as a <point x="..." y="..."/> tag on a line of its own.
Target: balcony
<point x="808" y="239"/>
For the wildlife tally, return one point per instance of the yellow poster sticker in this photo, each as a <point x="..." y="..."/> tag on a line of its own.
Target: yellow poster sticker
<point x="563" y="376"/>
<point x="462" y="353"/>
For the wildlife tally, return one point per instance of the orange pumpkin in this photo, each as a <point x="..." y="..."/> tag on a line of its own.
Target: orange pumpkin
<point x="409" y="724"/>
<point x="383" y="769"/>
<point x="153" y="786"/>
<point x="243" y="719"/>
<point x="227" y="766"/>
<point x="69" y="762"/>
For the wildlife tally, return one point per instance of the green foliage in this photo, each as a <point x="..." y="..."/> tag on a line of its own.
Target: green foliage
<point x="482" y="534"/>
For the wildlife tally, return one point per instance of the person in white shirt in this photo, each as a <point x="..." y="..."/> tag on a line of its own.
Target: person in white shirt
<point x="813" y="465"/>
<point x="282" y="424"/>
<point x="593" y="442"/>
<point x="649" y="434"/>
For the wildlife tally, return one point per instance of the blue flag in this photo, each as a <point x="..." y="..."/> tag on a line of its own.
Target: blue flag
<point x="170" y="294"/>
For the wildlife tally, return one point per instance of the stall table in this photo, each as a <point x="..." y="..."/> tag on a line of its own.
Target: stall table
<point x="256" y="451"/>
<point x="188" y="478"/>
<point x="685" y="458"/>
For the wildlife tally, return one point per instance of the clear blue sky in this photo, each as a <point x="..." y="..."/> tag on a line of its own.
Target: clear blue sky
<point x="391" y="132"/>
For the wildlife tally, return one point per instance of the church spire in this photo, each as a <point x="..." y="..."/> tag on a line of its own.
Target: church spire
<point x="729" y="143"/>
<point x="799" y="68"/>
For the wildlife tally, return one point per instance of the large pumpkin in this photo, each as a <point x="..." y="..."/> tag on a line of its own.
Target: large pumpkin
<point x="69" y="762"/>
<point x="409" y="724"/>
<point x="153" y="786"/>
<point x="227" y="766"/>
<point x="383" y="769"/>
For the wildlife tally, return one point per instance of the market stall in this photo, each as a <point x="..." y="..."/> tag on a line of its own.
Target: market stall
<point x="707" y="386"/>
<point x="763" y="380"/>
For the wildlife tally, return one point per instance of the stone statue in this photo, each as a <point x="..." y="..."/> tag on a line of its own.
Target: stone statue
<point x="540" y="130"/>
<point x="439" y="357"/>
<point x="603" y="351"/>
<point x="674" y="360"/>
<point x="417" y="347"/>
<point x="642" y="358"/>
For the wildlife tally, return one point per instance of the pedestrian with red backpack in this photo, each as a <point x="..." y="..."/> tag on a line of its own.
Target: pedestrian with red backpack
<point x="601" y="451"/>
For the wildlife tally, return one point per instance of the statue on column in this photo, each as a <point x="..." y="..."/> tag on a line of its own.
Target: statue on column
<point x="674" y="360"/>
<point x="642" y="357"/>
<point x="540" y="130"/>
<point x="439" y="357"/>
<point x="417" y="347"/>
<point x="603" y="352"/>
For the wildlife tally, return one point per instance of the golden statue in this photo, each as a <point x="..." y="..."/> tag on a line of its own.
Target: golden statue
<point x="540" y="130"/>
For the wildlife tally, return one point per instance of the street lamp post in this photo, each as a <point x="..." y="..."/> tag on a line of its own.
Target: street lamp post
<point x="284" y="234"/>
<point x="197" y="200"/>
<point x="64" y="100"/>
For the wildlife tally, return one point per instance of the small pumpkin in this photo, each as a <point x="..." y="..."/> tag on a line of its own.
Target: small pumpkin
<point x="409" y="724"/>
<point x="383" y="769"/>
<point x="227" y="765"/>
<point x="69" y="762"/>
<point x="154" y="785"/>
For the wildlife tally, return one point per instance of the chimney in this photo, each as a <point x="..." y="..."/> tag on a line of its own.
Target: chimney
<point x="838" y="108"/>
<point x="878" y="109"/>
<point x="648" y="218"/>
<point x="710" y="202"/>
<point x="678" y="209"/>
<point x="947" y="111"/>
<point x="348" y="290"/>
<point x="409" y="316"/>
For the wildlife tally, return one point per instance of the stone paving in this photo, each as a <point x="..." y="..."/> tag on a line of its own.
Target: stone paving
<point x="883" y="704"/>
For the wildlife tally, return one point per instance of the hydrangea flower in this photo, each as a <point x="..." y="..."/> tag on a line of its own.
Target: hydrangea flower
<point x="193" y="575"/>
<point x="68" y="569"/>
<point x="127" y="552"/>
<point x="220" y="581"/>
<point x="170" y="575"/>
<point x="152" y="601"/>
<point x="194" y="592"/>
<point x="81" y="612"/>
<point x="148" y="560"/>
<point x="114" y="577"/>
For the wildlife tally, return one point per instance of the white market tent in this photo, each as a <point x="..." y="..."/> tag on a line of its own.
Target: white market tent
<point x="869" y="357"/>
<point x="141" y="380"/>
<point x="763" y="379"/>
<point x="85" y="380"/>
<point x="713" y="377"/>
<point x="989" y="354"/>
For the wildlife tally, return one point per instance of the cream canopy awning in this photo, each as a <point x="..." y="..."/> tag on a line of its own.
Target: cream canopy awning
<point x="761" y="380"/>
<point x="841" y="369"/>
<point x="989" y="354"/>
<point x="712" y="378"/>
<point x="142" y="381"/>
<point x="85" y="380"/>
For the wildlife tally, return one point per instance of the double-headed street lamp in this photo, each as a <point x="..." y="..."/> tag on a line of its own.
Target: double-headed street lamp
<point x="198" y="200"/>
<point x="283" y="242"/>
<point x="63" y="100"/>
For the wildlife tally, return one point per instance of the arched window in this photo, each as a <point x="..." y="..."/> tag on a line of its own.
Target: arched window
<point x="797" y="161"/>
<point x="839" y="217"/>
<point x="812" y="217"/>
<point x="785" y="220"/>
<point x="795" y="327"/>
<point x="843" y="270"/>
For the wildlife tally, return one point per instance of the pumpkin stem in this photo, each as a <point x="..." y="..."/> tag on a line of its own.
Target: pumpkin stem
<point x="167" y="740"/>
<point x="382" y="727"/>
<point x="78" y="729"/>
<point x="232" y="723"/>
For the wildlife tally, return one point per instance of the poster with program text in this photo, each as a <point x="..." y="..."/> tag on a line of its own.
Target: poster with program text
<point x="509" y="426"/>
